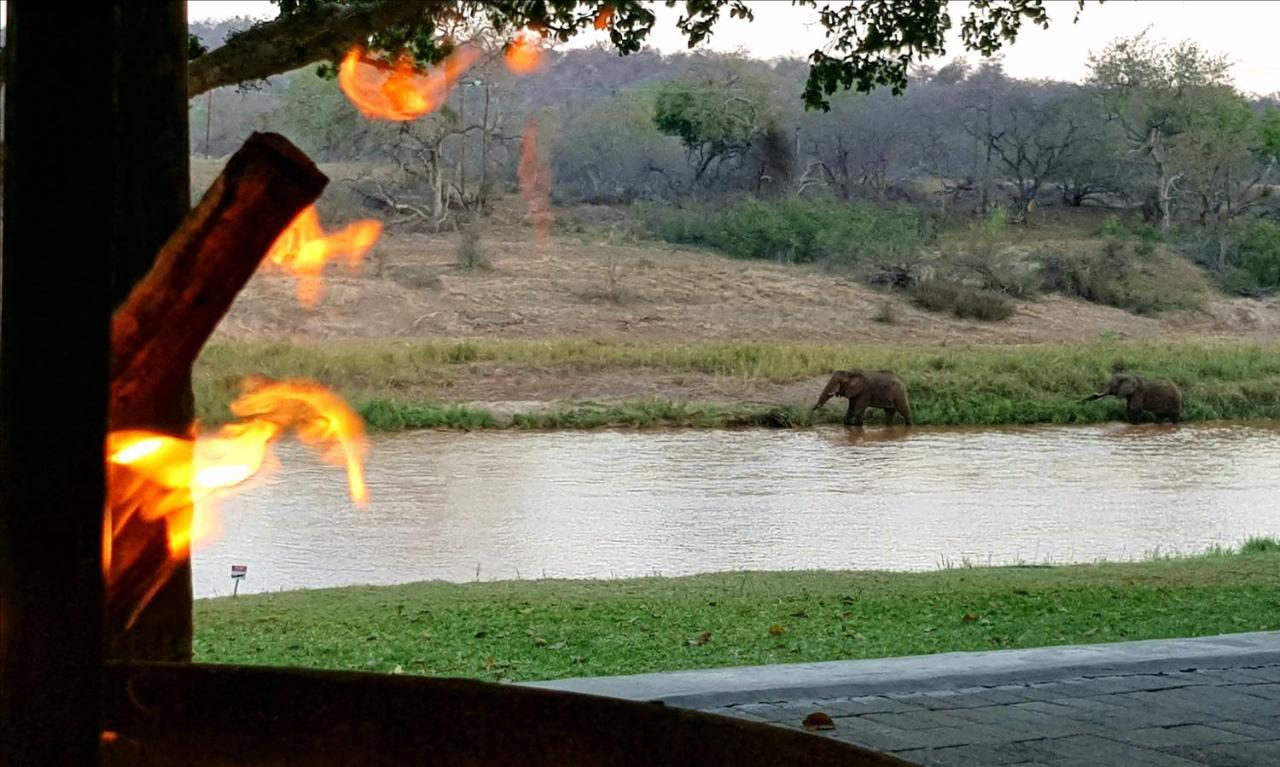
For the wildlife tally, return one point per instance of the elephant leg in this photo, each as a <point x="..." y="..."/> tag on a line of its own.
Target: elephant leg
<point x="905" y="409"/>
<point x="857" y="407"/>
<point x="889" y="413"/>
<point x="1135" y="416"/>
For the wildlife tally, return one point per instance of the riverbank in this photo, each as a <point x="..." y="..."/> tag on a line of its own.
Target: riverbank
<point x="588" y="384"/>
<point x="528" y="630"/>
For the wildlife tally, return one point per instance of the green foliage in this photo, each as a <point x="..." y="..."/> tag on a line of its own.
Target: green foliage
<point x="548" y="629"/>
<point x="797" y="231"/>
<point x="868" y="44"/>
<point x="717" y="119"/>
<point x="963" y="301"/>
<point x="1261" y="545"/>
<point x="1255" y="261"/>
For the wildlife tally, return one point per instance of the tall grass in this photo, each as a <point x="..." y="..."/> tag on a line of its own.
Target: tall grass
<point x="396" y="385"/>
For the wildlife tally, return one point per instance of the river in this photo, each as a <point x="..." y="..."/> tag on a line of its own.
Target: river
<point x="611" y="504"/>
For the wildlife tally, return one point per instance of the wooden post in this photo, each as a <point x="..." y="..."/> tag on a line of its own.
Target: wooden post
<point x="54" y="325"/>
<point x="152" y="194"/>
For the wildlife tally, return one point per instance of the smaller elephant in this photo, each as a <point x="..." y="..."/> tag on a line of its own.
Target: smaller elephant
<point x="880" y="389"/>
<point x="1156" y="396"/>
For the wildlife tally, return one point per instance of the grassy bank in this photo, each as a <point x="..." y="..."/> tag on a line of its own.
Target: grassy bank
<point x="549" y="629"/>
<point x="417" y="385"/>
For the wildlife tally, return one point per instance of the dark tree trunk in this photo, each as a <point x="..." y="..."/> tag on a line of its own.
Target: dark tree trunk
<point x="53" y="380"/>
<point x="152" y="193"/>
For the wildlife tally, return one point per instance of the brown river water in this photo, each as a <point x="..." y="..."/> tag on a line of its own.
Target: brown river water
<point x="611" y="504"/>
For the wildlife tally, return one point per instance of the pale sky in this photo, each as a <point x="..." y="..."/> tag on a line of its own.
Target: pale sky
<point x="1246" y="31"/>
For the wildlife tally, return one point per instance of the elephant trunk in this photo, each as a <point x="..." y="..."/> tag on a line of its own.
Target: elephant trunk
<point x="1092" y="397"/>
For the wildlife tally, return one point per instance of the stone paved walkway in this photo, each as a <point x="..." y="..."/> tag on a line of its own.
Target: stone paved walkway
<point x="1207" y="701"/>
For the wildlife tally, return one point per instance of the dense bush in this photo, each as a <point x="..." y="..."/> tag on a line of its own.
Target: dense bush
<point x="964" y="301"/>
<point x="1255" y="260"/>
<point x="1126" y="275"/>
<point x="799" y="231"/>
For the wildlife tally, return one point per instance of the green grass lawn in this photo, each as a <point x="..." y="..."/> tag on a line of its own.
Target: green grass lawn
<point x="948" y="385"/>
<point x="527" y="630"/>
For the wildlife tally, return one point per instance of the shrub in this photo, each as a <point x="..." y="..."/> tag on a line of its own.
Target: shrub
<point x="799" y="231"/>
<point x="885" y="315"/>
<point x="1255" y="260"/>
<point x="1263" y="545"/>
<point x="1146" y="285"/>
<point x="469" y="253"/>
<point x="964" y="301"/>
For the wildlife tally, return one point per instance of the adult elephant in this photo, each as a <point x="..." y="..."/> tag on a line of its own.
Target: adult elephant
<point x="1156" y="396"/>
<point x="880" y="389"/>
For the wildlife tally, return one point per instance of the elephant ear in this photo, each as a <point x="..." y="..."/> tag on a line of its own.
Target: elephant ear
<point x="853" y="381"/>
<point x="1126" y="386"/>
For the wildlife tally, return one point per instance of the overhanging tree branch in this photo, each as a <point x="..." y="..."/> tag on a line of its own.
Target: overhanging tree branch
<point x="293" y="41"/>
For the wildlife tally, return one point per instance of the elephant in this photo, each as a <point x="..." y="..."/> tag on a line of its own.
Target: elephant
<point x="1156" y="396"/>
<point x="880" y="389"/>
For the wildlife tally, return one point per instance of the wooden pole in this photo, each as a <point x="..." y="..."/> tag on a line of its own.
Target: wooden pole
<point x="54" y="319"/>
<point x="152" y="194"/>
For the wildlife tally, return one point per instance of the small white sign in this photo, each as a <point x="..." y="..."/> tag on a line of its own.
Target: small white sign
<point x="239" y="571"/>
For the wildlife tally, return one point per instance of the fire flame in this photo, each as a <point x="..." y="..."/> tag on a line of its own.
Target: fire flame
<point x="180" y="480"/>
<point x="303" y="249"/>
<point x="604" y="18"/>
<point x="535" y="181"/>
<point x="398" y="90"/>
<point x="524" y="53"/>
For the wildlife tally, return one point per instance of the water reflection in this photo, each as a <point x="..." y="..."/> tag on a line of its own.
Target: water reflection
<point x="614" y="504"/>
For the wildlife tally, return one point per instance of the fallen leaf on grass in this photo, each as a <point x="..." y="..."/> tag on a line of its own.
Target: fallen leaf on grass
<point x="557" y="646"/>
<point x="970" y="617"/>
<point x="776" y="630"/>
<point x="819" y="721"/>
<point x="700" y="639"/>
<point x="800" y="614"/>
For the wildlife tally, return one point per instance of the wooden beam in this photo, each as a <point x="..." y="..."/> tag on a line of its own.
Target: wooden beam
<point x="54" y="318"/>
<point x="157" y="335"/>
<point x="151" y="194"/>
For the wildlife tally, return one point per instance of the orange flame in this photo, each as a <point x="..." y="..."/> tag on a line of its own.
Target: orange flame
<point x="303" y="249"/>
<point x="535" y="181"/>
<point x="604" y="18"/>
<point x="524" y="53"/>
<point x="398" y="90"/>
<point x="180" y="480"/>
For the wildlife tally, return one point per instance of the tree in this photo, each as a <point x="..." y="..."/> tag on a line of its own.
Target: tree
<point x="869" y="44"/>
<point x="1224" y="156"/>
<point x="613" y="151"/>
<point x="1148" y="90"/>
<point x="1033" y="130"/>
<point x="717" y="118"/>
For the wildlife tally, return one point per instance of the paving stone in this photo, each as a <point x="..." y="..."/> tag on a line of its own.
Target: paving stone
<point x="1254" y="731"/>
<point x="952" y="756"/>
<point x="945" y="699"/>
<point x="1181" y="735"/>
<point x="1028" y="721"/>
<point x="1203" y="704"/>
<point x="1252" y="754"/>
<point x="1268" y="691"/>
<point x="765" y="712"/>
<point x="874" y="704"/>
<point x="1108" y="685"/>
<point x="1003" y="695"/>
<point x="918" y="720"/>
<point x="1098" y="751"/>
